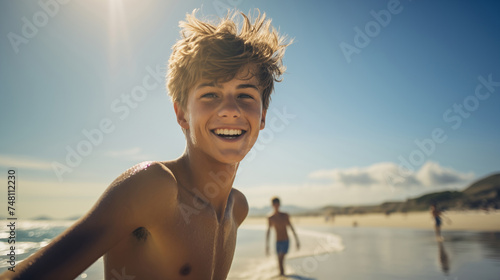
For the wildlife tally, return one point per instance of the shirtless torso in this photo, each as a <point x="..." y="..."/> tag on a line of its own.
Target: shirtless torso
<point x="182" y="240"/>
<point x="279" y="221"/>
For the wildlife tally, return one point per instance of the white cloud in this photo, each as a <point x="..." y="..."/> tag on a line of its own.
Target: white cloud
<point x="431" y="174"/>
<point x="373" y="184"/>
<point x="361" y="176"/>
<point x="24" y="163"/>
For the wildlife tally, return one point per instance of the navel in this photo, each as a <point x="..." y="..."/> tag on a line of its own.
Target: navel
<point x="185" y="269"/>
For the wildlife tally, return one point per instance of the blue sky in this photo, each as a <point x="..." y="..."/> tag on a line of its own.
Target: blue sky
<point x="347" y="120"/>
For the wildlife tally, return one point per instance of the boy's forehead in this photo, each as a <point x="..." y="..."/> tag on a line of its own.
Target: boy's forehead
<point x="247" y="74"/>
<point x="237" y="81"/>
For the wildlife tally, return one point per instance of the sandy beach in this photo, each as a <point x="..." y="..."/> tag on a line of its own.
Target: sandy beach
<point x="454" y="220"/>
<point x="398" y="246"/>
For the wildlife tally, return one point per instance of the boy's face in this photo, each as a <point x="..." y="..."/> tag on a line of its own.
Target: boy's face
<point x="276" y="205"/>
<point x="223" y="120"/>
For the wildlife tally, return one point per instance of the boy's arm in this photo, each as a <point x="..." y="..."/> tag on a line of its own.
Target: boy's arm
<point x="293" y="230"/>
<point x="112" y="218"/>
<point x="448" y="220"/>
<point x="267" y="235"/>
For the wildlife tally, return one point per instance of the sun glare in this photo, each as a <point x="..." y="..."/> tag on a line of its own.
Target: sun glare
<point x="118" y="40"/>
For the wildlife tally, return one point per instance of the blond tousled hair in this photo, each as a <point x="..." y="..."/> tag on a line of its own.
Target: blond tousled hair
<point x="218" y="51"/>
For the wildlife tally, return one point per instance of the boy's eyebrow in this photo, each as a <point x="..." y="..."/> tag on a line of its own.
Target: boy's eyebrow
<point x="247" y="86"/>
<point x="240" y="86"/>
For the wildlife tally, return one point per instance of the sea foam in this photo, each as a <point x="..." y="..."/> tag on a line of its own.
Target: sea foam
<point x="250" y="261"/>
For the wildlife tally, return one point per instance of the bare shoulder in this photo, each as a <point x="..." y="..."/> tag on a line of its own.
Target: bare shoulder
<point x="240" y="206"/>
<point x="145" y="184"/>
<point x="285" y="216"/>
<point x="145" y="170"/>
<point x="146" y="175"/>
<point x="271" y="216"/>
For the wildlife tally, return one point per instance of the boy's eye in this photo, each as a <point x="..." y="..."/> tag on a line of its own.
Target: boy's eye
<point x="209" y="95"/>
<point x="245" y="96"/>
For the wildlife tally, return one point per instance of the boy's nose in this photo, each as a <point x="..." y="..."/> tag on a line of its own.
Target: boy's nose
<point x="229" y="109"/>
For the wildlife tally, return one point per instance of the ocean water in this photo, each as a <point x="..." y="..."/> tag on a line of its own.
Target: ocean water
<point x="31" y="235"/>
<point x="326" y="253"/>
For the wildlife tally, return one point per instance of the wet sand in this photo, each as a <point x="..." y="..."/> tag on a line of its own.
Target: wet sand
<point x="400" y="253"/>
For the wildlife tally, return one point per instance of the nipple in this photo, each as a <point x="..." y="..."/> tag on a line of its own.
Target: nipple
<point x="185" y="269"/>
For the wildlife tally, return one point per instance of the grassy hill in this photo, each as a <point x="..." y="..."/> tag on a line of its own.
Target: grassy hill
<point x="484" y="193"/>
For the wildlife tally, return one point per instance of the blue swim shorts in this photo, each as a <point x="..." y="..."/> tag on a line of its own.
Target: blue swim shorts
<point x="282" y="246"/>
<point x="438" y="221"/>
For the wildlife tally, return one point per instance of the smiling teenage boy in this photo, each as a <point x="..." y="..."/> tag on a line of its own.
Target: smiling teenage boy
<point x="178" y="219"/>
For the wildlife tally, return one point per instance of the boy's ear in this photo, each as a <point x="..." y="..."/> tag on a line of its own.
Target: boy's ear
<point x="181" y="115"/>
<point x="263" y="120"/>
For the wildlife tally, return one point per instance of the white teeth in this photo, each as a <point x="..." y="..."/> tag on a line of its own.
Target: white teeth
<point x="225" y="131"/>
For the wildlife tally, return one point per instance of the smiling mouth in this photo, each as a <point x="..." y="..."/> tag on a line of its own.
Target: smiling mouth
<point x="227" y="133"/>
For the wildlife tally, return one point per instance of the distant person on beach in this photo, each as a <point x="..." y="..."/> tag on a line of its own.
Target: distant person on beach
<point x="436" y="214"/>
<point x="178" y="219"/>
<point x="280" y="221"/>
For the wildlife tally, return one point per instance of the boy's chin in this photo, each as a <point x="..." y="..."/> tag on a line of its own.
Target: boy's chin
<point x="231" y="158"/>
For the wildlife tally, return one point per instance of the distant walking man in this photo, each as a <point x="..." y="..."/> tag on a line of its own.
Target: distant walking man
<point x="436" y="214"/>
<point x="280" y="221"/>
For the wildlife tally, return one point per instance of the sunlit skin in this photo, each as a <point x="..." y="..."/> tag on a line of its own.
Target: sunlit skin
<point x="236" y="104"/>
<point x="174" y="219"/>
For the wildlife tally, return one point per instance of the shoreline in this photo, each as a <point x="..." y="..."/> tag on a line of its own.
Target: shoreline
<point x="452" y="220"/>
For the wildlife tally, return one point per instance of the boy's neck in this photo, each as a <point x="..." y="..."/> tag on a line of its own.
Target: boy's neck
<point x="211" y="178"/>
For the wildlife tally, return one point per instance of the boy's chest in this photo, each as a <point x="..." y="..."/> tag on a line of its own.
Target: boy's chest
<point x="200" y="248"/>
<point x="188" y="242"/>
